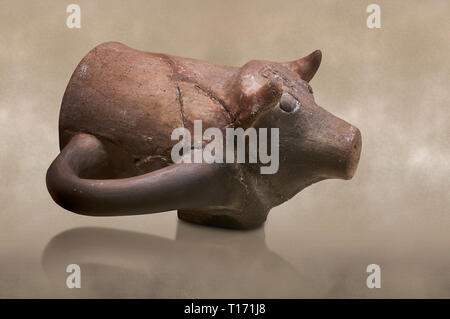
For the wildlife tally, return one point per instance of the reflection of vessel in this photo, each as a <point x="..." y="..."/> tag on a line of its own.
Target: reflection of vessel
<point x="201" y="262"/>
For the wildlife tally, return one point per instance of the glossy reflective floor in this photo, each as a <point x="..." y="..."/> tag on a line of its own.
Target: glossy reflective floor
<point x="199" y="262"/>
<point x="392" y="83"/>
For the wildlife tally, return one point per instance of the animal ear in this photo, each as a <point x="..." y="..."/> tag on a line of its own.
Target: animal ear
<point x="307" y="66"/>
<point x="256" y="97"/>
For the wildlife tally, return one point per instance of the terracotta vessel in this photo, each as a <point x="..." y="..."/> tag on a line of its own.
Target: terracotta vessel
<point x="121" y="106"/>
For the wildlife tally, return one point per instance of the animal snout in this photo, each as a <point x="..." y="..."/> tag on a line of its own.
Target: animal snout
<point x="335" y="146"/>
<point x="352" y="152"/>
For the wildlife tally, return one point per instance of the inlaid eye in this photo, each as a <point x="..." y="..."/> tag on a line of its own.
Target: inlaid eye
<point x="288" y="103"/>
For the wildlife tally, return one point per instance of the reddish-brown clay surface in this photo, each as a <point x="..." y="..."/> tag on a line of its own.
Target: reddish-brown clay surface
<point x="121" y="106"/>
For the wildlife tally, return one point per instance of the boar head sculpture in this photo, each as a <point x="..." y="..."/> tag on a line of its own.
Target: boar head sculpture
<point x="121" y="106"/>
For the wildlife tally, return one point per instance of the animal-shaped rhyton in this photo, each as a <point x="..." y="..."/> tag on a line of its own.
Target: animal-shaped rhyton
<point x="122" y="105"/>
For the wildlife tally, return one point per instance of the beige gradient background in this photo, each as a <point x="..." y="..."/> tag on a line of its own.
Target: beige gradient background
<point x="392" y="83"/>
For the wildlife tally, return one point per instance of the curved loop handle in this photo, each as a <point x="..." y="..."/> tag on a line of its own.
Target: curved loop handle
<point x="179" y="186"/>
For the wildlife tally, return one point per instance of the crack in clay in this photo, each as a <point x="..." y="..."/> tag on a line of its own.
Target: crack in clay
<point x="217" y="100"/>
<point x="139" y="160"/>
<point x="176" y="77"/>
<point x="242" y="181"/>
<point x="149" y="158"/>
<point x="180" y="102"/>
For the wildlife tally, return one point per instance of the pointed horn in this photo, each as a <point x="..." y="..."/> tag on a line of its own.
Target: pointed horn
<point x="179" y="186"/>
<point x="307" y="66"/>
